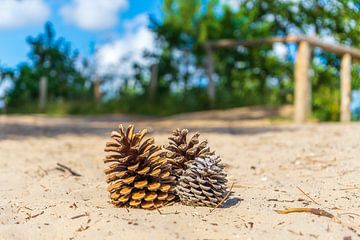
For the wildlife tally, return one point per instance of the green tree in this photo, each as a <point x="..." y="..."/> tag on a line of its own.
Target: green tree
<point x="53" y="58"/>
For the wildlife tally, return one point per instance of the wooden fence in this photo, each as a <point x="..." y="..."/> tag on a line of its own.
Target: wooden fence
<point x="301" y="70"/>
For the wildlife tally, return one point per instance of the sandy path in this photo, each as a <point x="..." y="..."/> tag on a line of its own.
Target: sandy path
<point x="267" y="162"/>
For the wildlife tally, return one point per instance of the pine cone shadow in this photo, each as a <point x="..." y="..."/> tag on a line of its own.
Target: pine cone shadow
<point x="231" y="202"/>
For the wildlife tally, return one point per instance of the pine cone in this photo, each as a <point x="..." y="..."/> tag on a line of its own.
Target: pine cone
<point x="138" y="176"/>
<point x="203" y="183"/>
<point x="180" y="151"/>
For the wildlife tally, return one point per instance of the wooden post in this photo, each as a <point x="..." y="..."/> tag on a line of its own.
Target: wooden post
<point x="153" y="81"/>
<point x="302" y="83"/>
<point x="210" y="71"/>
<point x="42" y="93"/>
<point x="97" y="92"/>
<point x="345" y="72"/>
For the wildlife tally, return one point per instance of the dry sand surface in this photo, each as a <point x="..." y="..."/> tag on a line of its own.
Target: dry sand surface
<point x="266" y="160"/>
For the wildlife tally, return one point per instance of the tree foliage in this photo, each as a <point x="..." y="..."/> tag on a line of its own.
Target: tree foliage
<point x="54" y="59"/>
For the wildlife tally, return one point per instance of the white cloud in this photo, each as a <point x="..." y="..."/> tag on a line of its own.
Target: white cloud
<point x="93" y="14"/>
<point x="20" y="13"/>
<point x="119" y="55"/>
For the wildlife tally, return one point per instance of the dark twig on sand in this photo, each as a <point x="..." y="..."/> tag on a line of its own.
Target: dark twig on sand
<point x="80" y="215"/>
<point x="62" y="166"/>
<point x="36" y="215"/>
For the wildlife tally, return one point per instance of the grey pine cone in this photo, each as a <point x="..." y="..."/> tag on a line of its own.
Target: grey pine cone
<point x="203" y="183"/>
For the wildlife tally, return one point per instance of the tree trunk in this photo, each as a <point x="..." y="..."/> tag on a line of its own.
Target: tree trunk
<point x="42" y="93"/>
<point x="97" y="92"/>
<point x="153" y="81"/>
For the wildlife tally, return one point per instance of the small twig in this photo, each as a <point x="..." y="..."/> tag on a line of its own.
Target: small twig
<point x="308" y="196"/>
<point x="321" y="213"/>
<point x="69" y="170"/>
<point x="225" y="197"/>
<point x="24" y="207"/>
<point x="277" y="200"/>
<point x="82" y="228"/>
<point x="315" y="211"/>
<point x="80" y="215"/>
<point x="36" y="215"/>
<point x="351" y="188"/>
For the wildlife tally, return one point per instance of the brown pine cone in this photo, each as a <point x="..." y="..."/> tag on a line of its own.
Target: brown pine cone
<point x="138" y="176"/>
<point x="180" y="150"/>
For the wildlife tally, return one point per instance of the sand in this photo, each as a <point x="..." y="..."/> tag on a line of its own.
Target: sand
<point x="266" y="160"/>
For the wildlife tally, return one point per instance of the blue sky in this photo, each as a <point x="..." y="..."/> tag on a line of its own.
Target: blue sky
<point x="82" y="22"/>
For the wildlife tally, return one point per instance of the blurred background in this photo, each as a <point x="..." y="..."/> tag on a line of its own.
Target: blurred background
<point x="148" y="57"/>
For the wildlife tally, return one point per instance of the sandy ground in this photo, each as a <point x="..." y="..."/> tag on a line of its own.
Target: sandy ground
<point x="266" y="160"/>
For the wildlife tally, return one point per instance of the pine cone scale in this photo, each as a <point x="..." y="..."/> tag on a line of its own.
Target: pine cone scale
<point x="138" y="195"/>
<point x="144" y="171"/>
<point x="150" y="196"/>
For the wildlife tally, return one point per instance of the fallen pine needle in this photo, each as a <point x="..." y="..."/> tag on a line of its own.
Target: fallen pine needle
<point x="222" y="200"/>
<point x="321" y="213"/>
<point x="350" y="188"/>
<point x="308" y="196"/>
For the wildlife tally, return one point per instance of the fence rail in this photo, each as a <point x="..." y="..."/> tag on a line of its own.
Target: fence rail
<point x="301" y="71"/>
